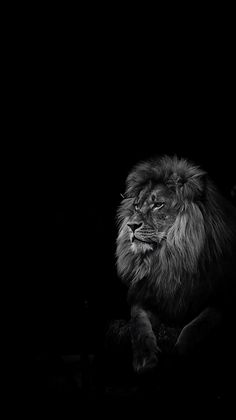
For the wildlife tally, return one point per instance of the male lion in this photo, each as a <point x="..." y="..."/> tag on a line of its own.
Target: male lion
<point x="176" y="253"/>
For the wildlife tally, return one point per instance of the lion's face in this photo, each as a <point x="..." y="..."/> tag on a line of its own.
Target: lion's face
<point x="151" y="214"/>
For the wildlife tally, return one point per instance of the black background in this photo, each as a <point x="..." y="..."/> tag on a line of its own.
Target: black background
<point x="93" y="100"/>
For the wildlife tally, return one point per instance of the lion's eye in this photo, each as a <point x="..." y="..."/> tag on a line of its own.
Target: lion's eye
<point x="136" y="208"/>
<point x="157" y="206"/>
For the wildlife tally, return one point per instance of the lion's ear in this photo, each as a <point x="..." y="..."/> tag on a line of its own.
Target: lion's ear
<point x="194" y="186"/>
<point x="175" y="181"/>
<point x="189" y="186"/>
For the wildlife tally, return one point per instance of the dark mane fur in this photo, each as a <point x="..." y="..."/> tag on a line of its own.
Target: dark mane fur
<point x="196" y="261"/>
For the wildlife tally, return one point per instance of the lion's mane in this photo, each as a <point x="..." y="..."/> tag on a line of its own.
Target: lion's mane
<point x="196" y="263"/>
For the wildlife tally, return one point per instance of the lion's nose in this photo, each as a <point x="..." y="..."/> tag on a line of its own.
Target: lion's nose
<point x="134" y="226"/>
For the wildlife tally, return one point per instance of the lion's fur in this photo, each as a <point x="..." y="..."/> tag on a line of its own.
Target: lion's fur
<point x="195" y="264"/>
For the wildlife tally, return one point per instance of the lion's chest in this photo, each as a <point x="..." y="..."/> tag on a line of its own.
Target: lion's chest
<point x="171" y="300"/>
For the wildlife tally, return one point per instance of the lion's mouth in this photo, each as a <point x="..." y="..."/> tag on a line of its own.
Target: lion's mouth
<point x="134" y="238"/>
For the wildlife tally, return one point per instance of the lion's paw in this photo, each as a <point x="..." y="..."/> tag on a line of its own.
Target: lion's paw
<point x="145" y="362"/>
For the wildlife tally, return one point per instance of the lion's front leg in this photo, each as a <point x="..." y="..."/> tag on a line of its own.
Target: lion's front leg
<point x="145" y="349"/>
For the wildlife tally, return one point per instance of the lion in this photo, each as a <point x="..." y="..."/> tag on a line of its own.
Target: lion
<point x="176" y="254"/>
